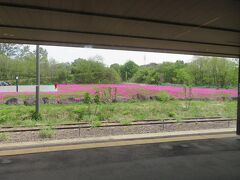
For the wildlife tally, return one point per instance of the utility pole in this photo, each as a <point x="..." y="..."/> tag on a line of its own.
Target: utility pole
<point x="238" y="99"/>
<point x="16" y="83"/>
<point x="37" y="80"/>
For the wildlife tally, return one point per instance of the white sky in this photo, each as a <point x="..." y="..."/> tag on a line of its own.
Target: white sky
<point x="69" y="54"/>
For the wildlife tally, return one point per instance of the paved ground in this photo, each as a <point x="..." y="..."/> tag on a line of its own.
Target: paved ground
<point x="196" y="159"/>
<point x="28" y="88"/>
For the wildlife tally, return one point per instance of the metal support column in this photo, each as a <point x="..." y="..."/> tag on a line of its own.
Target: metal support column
<point x="37" y="80"/>
<point x="16" y="83"/>
<point x="238" y="103"/>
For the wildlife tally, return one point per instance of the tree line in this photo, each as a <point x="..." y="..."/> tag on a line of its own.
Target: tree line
<point x="201" y="71"/>
<point x="19" y="60"/>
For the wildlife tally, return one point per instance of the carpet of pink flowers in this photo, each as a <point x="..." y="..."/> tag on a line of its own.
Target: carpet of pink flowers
<point x="128" y="90"/>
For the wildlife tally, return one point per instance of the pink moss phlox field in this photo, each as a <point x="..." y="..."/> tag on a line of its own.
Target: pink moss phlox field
<point x="128" y="90"/>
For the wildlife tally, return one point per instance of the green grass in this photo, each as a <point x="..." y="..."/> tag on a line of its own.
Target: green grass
<point x="96" y="123"/>
<point x="125" y="121"/>
<point x="118" y="112"/>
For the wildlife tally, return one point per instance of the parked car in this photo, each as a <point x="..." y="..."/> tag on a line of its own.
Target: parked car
<point x="5" y="83"/>
<point x="9" y="84"/>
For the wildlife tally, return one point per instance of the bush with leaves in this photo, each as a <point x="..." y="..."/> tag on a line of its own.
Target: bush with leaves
<point x="47" y="132"/>
<point x="87" y="98"/>
<point x="163" y="96"/>
<point x="36" y="116"/>
<point x="172" y="114"/>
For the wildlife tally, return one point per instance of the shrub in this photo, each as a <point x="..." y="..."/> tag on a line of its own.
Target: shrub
<point x="164" y="96"/>
<point x="87" y="98"/>
<point x="171" y="114"/>
<point x="47" y="132"/>
<point x="3" y="137"/>
<point x="97" y="98"/>
<point x="36" y="116"/>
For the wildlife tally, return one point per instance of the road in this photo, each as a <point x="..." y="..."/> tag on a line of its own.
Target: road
<point x="194" y="160"/>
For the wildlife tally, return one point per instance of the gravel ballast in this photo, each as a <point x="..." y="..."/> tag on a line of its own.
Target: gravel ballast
<point x="141" y="128"/>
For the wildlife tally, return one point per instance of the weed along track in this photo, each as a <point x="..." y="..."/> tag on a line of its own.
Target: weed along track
<point x="84" y="130"/>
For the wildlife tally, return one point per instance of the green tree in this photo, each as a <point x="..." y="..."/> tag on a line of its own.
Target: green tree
<point x="117" y="68"/>
<point x="128" y="70"/>
<point x="213" y="71"/>
<point x="9" y="49"/>
<point x="91" y="71"/>
<point x="183" y="76"/>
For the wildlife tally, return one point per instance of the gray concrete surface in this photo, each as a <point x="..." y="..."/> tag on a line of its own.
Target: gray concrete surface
<point x="28" y="88"/>
<point x="194" y="160"/>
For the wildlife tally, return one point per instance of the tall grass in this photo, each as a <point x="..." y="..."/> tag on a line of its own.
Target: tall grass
<point x="131" y="111"/>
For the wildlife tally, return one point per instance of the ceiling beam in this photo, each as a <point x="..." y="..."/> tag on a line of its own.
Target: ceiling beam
<point x="51" y="9"/>
<point x="115" y="35"/>
<point x="118" y="47"/>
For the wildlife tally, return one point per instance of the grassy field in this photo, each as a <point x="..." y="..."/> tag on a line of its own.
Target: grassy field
<point x="118" y="112"/>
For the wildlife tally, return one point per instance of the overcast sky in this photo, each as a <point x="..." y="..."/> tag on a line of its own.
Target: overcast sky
<point x="69" y="54"/>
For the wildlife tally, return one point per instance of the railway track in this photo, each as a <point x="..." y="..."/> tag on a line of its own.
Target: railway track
<point x="105" y="124"/>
